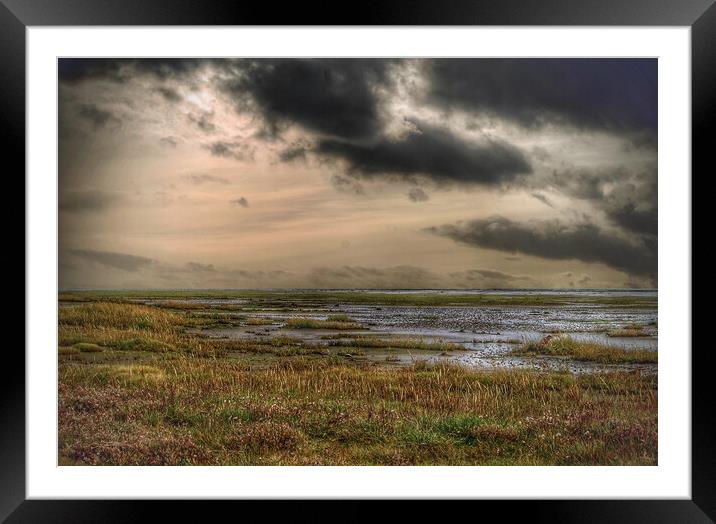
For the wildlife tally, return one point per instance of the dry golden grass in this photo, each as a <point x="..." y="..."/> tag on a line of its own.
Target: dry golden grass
<point x="395" y="342"/>
<point x="199" y="411"/>
<point x="311" y="323"/>
<point x="566" y="346"/>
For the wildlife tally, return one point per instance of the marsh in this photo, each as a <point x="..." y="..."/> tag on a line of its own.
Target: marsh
<point x="357" y="377"/>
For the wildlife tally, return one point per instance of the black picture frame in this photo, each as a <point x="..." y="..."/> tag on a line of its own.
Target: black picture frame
<point x="17" y="15"/>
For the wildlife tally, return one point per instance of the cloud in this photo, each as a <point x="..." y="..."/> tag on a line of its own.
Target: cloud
<point x="96" y="116"/>
<point x="542" y="198"/>
<point x="169" y="94"/>
<point x="333" y="97"/>
<point x="556" y="240"/>
<point x="631" y="217"/>
<point x="398" y="277"/>
<point x="602" y="94"/>
<point x="584" y="281"/>
<point x="434" y="153"/>
<point x="89" y="200"/>
<point x="577" y="134"/>
<point x="240" y="202"/>
<point x="74" y="70"/>
<point x="297" y="151"/>
<point x="627" y="197"/>
<point x="202" y="178"/>
<point x="168" y="141"/>
<point x="203" y="121"/>
<point x="418" y="195"/>
<point x="115" y="260"/>
<point x="346" y="184"/>
<point x="236" y="150"/>
<point x="196" y="267"/>
<point x="486" y="278"/>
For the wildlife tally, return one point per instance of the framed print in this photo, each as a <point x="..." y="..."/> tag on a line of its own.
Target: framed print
<point x="432" y="254"/>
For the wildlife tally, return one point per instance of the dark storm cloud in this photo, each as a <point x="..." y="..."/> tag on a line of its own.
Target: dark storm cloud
<point x="604" y="94"/>
<point x="114" y="260"/>
<point x="629" y="199"/>
<point x="418" y="195"/>
<point x="488" y="278"/>
<point x="72" y="70"/>
<point x="628" y="216"/>
<point x="241" y="201"/>
<point x="435" y="153"/>
<point x="556" y="240"/>
<point x="330" y="96"/>
<point x="338" y="97"/>
<point x="96" y="116"/>
<point x="90" y="200"/>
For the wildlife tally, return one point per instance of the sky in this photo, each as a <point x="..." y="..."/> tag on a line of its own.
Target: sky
<point x="357" y="173"/>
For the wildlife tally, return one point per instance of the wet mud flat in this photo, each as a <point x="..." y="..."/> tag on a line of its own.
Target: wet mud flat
<point x="479" y="335"/>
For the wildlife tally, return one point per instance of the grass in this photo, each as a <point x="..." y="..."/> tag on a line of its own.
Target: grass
<point x="311" y="323"/>
<point x="258" y="321"/>
<point x="565" y="346"/>
<point x="159" y="393"/>
<point x="120" y="316"/>
<point x="396" y="343"/>
<point x="87" y="347"/>
<point x="627" y="332"/>
<point x="340" y="318"/>
<point x="215" y="412"/>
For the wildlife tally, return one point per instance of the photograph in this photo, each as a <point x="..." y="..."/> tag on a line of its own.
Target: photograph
<point x="357" y="261"/>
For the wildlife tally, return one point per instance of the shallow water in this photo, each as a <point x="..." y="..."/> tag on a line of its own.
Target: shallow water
<point x="487" y="333"/>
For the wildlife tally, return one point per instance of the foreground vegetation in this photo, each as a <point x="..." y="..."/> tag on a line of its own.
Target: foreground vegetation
<point x="566" y="346"/>
<point x="140" y="384"/>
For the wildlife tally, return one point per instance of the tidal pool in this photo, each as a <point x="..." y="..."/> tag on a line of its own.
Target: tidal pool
<point x="486" y="334"/>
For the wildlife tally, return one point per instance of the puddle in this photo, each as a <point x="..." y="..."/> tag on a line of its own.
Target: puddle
<point x="487" y="334"/>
